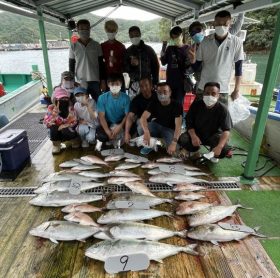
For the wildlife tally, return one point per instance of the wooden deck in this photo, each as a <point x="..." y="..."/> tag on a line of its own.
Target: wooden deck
<point x="23" y="255"/>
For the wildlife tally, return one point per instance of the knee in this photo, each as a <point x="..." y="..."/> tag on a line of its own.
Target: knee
<point x="91" y="136"/>
<point x="82" y="130"/>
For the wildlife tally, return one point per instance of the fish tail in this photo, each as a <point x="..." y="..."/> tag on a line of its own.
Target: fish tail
<point x="182" y="233"/>
<point x="190" y="249"/>
<point x="239" y="205"/>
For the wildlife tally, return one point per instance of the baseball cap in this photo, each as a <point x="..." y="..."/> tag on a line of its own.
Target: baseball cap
<point x="60" y="93"/>
<point x="78" y="90"/>
<point x="67" y="74"/>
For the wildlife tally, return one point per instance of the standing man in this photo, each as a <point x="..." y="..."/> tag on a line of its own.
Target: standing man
<point x="112" y="108"/>
<point x="177" y="60"/>
<point x="216" y="54"/>
<point x="137" y="106"/>
<point x="86" y="60"/>
<point x="113" y="50"/>
<point x="208" y="123"/>
<point x="140" y="60"/>
<point x="166" y="115"/>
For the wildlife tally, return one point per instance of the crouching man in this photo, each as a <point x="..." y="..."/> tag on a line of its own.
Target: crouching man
<point x="112" y="108"/>
<point x="208" y="123"/>
<point x="166" y="120"/>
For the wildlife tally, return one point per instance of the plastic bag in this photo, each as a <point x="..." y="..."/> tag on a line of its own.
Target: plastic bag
<point x="239" y="109"/>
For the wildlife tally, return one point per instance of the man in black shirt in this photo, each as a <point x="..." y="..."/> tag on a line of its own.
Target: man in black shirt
<point x="137" y="106"/>
<point x="208" y="123"/>
<point x="166" y="119"/>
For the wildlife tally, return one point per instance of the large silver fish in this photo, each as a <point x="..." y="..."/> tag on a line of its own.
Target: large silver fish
<point x="212" y="215"/>
<point x="173" y="178"/>
<point x="68" y="164"/>
<point x="134" y="230"/>
<point x="169" y="159"/>
<point x="119" y="215"/>
<point x="63" y="186"/>
<point x="149" y="201"/>
<point x="125" y="166"/>
<point x="156" y="251"/>
<point x="122" y="173"/>
<point x="191" y="207"/>
<point x="122" y="180"/>
<point x="139" y="187"/>
<point x="192" y="196"/>
<point x="63" y="230"/>
<point x="60" y="199"/>
<point x="114" y="157"/>
<point x="214" y="233"/>
<point x="65" y="176"/>
<point x="93" y="159"/>
<point x="83" y="162"/>
<point x="93" y="174"/>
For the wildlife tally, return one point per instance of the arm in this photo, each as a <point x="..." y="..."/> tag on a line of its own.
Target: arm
<point x="91" y="110"/>
<point x="178" y="124"/>
<point x="164" y="54"/>
<point x="223" y="140"/>
<point x="144" y="124"/>
<point x="195" y="139"/>
<point x="129" y="121"/>
<point x="238" y="76"/>
<point x="237" y="25"/>
<point x="72" y="63"/>
<point x="117" y="129"/>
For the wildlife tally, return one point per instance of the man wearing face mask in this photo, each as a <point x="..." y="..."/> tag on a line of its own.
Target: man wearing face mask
<point x="112" y="108"/>
<point x="113" y="50"/>
<point x="86" y="60"/>
<point x="177" y="60"/>
<point x="85" y="109"/>
<point x="208" y="123"/>
<point x="216" y="54"/>
<point x="166" y="115"/>
<point x="61" y="120"/>
<point x="140" y="60"/>
<point x="196" y="32"/>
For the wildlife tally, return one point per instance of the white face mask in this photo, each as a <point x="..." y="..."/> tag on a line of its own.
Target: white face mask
<point x="221" y="31"/>
<point x="111" y="36"/>
<point x="135" y="41"/>
<point x="209" y="100"/>
<point x="68" y="86"/>
<point x="115" y="89"/>
<point x="163" y="98"/>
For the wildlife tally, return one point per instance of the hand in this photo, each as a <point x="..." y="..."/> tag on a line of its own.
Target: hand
<point x="195" y="141"/>
<point x="192" y="53"/>
<point x="127" y="138"/>
<point x="116" y="130"/>
<point x="103" y="86"/>
<point x="217" y="151"/>
<point x="109" y="134"/>
<point x="147" y="138"/>
<point x="235" y="94"/>
<point x="172" y="148"/>
<point x="134" y="61"/>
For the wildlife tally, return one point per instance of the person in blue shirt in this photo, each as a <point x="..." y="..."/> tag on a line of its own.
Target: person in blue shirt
<point x="112" y="108"/>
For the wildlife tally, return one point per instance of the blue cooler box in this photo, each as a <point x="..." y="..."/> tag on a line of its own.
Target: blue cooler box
<point x="14" y="151"/>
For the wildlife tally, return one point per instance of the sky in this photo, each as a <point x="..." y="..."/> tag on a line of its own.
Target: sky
<point x="125" y="12"/>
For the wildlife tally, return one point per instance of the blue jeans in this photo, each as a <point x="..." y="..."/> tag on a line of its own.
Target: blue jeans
<point x="93" y="89"/>
<point x="159" y="131"/>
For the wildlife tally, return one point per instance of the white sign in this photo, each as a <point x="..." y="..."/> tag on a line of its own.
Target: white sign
<point x="235" y="227"/>
<point x="75" y="187"/>
<point x="112" y="152"/>
<point x="131" y="205"/>
<point x="133" y="262"/>
<point x="173" y="169"/>
<point x="136" y="157"/>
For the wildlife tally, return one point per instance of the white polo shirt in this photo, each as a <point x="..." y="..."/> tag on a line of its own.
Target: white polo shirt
<point x="217" y="61"/>
<point x="86" y="57"/>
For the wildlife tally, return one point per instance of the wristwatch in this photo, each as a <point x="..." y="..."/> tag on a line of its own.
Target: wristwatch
<point x="175" y="140"/>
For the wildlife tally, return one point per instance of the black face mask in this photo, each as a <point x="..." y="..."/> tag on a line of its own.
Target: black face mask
<point x="63" y="108"/>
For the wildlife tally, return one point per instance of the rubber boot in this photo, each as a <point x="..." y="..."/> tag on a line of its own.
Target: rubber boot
<point x="56" y="147"/>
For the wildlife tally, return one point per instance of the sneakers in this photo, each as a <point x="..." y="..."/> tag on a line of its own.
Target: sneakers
<point x="98" y="145"/>
<point x="145" y="150"/>
<point x="214" y="160"/>
<point x="85" y="144"/>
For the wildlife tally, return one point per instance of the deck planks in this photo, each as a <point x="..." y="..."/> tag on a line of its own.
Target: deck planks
<point x="23" y="255"/>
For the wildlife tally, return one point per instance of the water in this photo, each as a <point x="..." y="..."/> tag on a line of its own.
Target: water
<point x="21" y="62"/>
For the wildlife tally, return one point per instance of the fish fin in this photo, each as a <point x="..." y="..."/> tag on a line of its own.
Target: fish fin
<point x="53" y="240"/>
<point x="190" y="249"/>
<point x="170" y="184"/>
<point x="81" y="239"/>
<point x="215" y="242"/>
<point x="240" y="206"/>
<point x="159" y="261"/>
<point x="256" y="228"/>
<point x="182" y="233"/>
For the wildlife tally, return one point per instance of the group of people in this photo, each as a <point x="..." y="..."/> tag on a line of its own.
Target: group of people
<point x="99" y="109"/>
